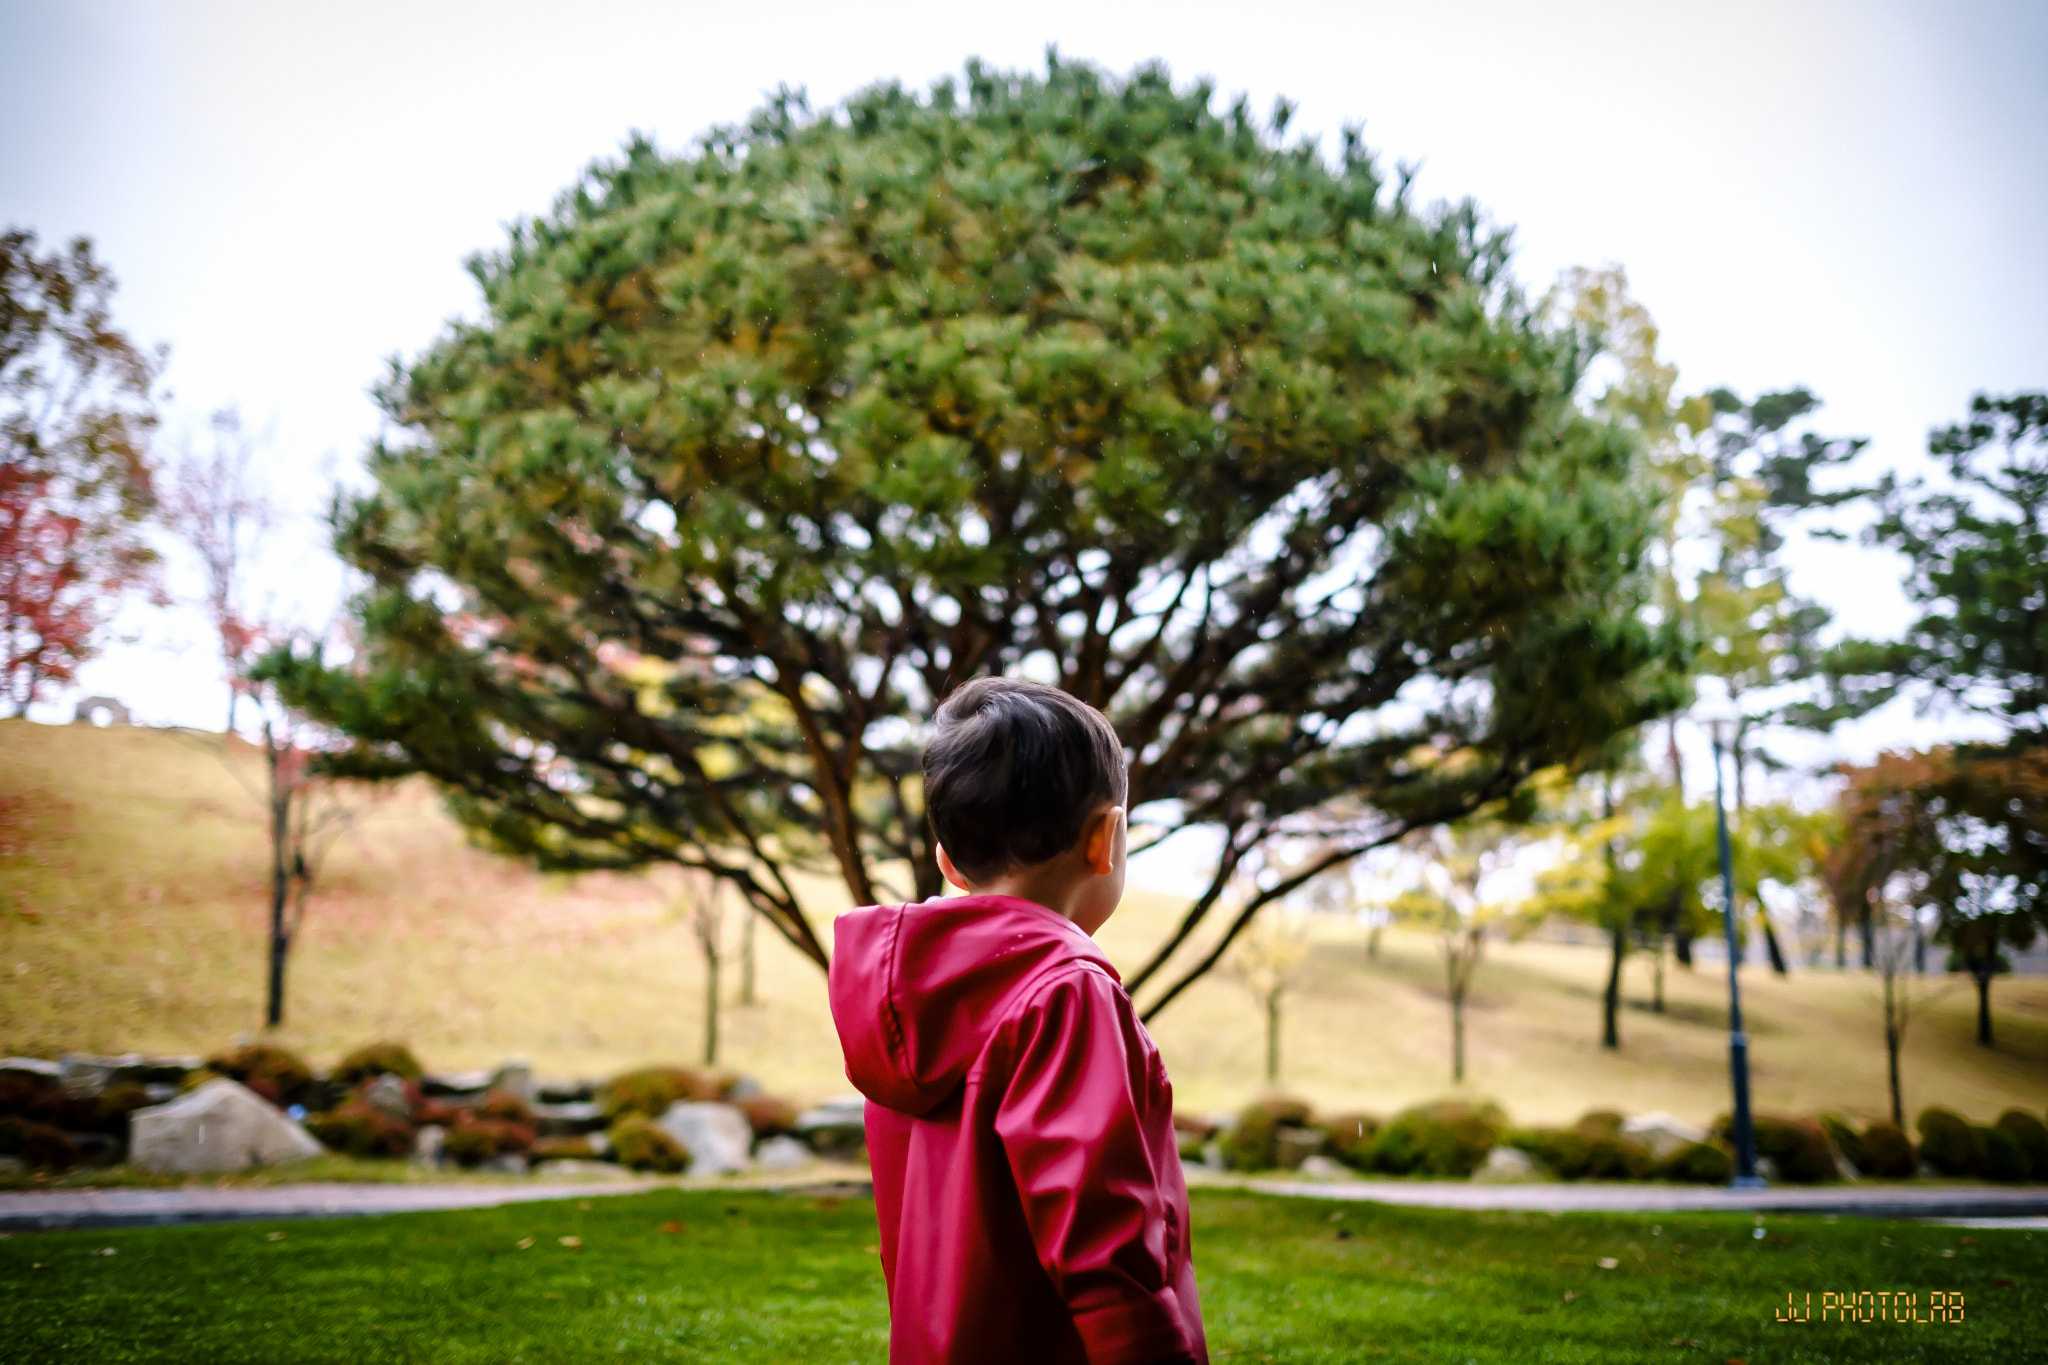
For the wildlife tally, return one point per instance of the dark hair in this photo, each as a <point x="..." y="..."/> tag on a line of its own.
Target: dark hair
<point x="1012" y="772"/>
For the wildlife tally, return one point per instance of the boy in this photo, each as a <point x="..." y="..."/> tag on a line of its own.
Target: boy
<point x="1019" y="1119"/>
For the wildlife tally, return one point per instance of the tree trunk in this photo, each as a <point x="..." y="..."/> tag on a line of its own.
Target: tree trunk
<point x="1457" y="1037"/>
<point x="1841" y="946"/>
<point x="1657" y="975"/>
<point x="1771" y="942"/>
<point x="1919" y="951"/>
<point x="1372" y="943"/>
<point x="710" y="1000"/>
<point x="1272" y="1037"/>
<point x="1868" y="929"/>
<point x="280" y="877"/>
<point x="747" y="956"/>
<point x="1681" y="948"/>
<point x="1610" y="1007"/>
<point x="1983" y="1007"/>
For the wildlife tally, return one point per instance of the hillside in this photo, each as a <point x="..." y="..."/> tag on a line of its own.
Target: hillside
<point x="132" y="913"/>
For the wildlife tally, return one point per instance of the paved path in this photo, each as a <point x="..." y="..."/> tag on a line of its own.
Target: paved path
<point x="1855" y="1200"/>
<point x="44" y="1210"/>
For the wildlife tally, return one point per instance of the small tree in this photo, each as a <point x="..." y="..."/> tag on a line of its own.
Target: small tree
<point x="1455" y="863"/>
<point x="217" y="504"/>
<point x="706" y="910"/>
<point x="75" y="474"/>
<point x="1264" y="961"/>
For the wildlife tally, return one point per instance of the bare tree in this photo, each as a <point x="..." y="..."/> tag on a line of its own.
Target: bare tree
<point x="216" y="504"/>
<point x="704" y="905"/>
<point x="307" y="815"/>
<point x="1450" y="901"/>
<point x="1264" y="961"/>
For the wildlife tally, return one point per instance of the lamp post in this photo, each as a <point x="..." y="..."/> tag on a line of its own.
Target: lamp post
<point x="1746" y="1177"/>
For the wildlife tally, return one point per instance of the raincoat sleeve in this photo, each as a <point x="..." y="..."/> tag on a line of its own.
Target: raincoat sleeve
<point x="1072" y="1121"/>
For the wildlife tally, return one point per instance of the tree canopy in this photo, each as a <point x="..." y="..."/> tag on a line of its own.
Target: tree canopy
<point x="760" y="449"/>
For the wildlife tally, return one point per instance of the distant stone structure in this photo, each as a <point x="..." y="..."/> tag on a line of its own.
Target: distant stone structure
<point x="101" y="711"/>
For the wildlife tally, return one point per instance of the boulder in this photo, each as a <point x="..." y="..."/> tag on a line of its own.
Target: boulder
<point x="221" y="1126"/>
<point x="836" y="1128"/>
<point x="571" y="1119"/>
<point x="782" y="1154"/>
<point x="386" y="1095"/>
<point x="1316" y="1166"/>
<point x="35" y="1067"/>
<point x="516" y="1075"/>
<point x="426" y="1145"/>
<point x="456" y="1085"/>
<point x="85" y="1075"/>
<point x="717" y="1136"/>
<point x="1507" y="1166"/>
<point x="1661" y="1134"/>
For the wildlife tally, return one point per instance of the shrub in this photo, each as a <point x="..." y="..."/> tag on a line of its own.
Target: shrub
<point x="431" y="1109"/>
<point x="2004" y="1160"/>
<point x="1562" y="1151"/>
<point x="2032" y="1136"/>
<point x="1597" y="1121"/>
<point x="505" y="1107"/>
<point x="272" y="1072"/>
<point x="1846" y="1142"/>
<point x="34" y="1097"/>
<point x="651" y="1090"/>
<point x="378" y="1059"/>
<point x="1798" y="1148"/>
<point x="1351" y="1139"/>
<point x="1888" y="1153"/>
<point x="1251" y="1142"/>
<point x="1948" y="1143"/>
<point x="1449" y="1138"/>
<point x="767" y="1115"/>
<point x="639" y="1142"/>
<point x="473" y="1140"/>
<point x="564" y="1149"/>
<point x="1699" y="1163"/>
<point x="37" y="1144"/>
<point x="1610" y="1156"/>
<point x="359" y="1128"/>
<point x="1590" y="1149"/>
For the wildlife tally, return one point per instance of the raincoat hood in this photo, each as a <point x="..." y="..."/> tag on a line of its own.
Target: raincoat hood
<point x="917" y="990"/>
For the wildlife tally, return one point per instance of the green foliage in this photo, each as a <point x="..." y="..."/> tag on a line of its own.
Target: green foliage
<point x="564" y="1149"/>
<point x="377" y="1059"/>
<point x="651" y="1090"/>
<point x="1846" y="1140"/>
<point x="1949" y="1143"/>
<point x="757" y="451"/>
<point x="1448" y="1138"/>
<point x="1351" y="1138"/>
<point x="2004" y="1159"/>
<point x="1591" y="1149"/>
<point x="1699" y="1163"/>
<point x="1250" y="1144"/>
<point x="358" y="1128"/>
<point x="638" y="1142"/>
<point x="505" y="1106"/>
<point x="1798" y="1148"/>
<point x="1888" y="1153"/>
<point x="271" y="1071"/>
<point x="2031" y="1136"/>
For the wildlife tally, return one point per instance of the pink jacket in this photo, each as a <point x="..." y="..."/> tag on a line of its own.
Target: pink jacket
<point x="1020" y="1123"/>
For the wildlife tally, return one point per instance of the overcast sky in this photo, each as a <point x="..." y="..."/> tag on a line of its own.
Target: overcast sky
<point x="1844" y="195"/>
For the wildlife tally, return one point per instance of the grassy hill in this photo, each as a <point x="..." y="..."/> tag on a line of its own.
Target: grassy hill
<point x="133" y="906"/>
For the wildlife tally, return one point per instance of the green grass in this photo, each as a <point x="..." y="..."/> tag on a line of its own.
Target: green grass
<point x="689" y="1276"/>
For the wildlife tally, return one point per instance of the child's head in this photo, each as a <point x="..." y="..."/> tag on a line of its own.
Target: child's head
<point x="1018" y="775"/>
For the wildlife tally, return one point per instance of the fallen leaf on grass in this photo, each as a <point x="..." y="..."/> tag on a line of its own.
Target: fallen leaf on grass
<point x="1570" y="1294"/>
<point x="2002" y="1281"/>
<point x="523" y="1243"/>
<point x="1948" y="1253"/>
<point x="1608" y="1263"/>
<point x="673" y="1227"/>
<point x="570" y="1242"/>
<point x="104" y="1251"/>
<point x="1969" y="1241"/>
<point x="273" y="1237"/>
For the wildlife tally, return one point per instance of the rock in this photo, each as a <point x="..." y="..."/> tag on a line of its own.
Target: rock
<point x="221" y="1126"/>
<point x="836" y="1128"/>
<point x="456" y="1085"/>
<point x="782" y="1154"/>
<point x="426" y="1145"/>
<point x="32" y="1066"/>
<point x="85" y="1075"/>
<point x="717" y="1136"/>
<point x="505" y="1163"/>
<point x="13" y="1165"/>
<point x="600" y="1144"/>
<point x="386" y="1095"/>
<point x="1506" y="1166"/>
<point x="516" y="1075"/>
<point x="564" y="1092"/>
<point x="1661" y="1134"/>
<point x="1767" y="1168"/>
<point x="745" y="1088"/>
<point x="1292" y="1146"/>
<point x="1316" y="1166"/>
<point x="568" y="1120"/>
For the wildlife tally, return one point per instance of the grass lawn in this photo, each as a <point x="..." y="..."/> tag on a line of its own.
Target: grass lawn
<point x="692" y="1275"/>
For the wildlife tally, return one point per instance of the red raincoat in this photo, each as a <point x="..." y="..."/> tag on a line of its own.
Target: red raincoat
<point x="1020" y="1123"/>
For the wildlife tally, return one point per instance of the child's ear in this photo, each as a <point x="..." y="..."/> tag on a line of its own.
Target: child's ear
<point x="1102" y="831"/>
<point x="950" y="872"/>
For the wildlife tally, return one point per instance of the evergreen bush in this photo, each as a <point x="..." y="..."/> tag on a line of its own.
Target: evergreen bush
<point x="1847" y="1143"/>
<point x="1351" y="1139"/>
<point x="272" y="1072"/>
<point x="2004" y="1160"/>
<point x="359" y="1128"/>
<point x="637" y="1141"/>
<point x="1699" y="1163"/>
<point x="377" y="1059"/>
<point x="2032" y="1136"/>
<point x="1948" y="1142"/>
<point x="1888" y="1153"/>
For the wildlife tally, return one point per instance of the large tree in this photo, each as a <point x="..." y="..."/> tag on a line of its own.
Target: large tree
<point x="757" y="451"/>
<point x="75" y="473"/>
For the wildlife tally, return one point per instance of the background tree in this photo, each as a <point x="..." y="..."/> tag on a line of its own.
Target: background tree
<point x="760" y="450"/>
<point x="1265" y="960"/>
<point x="75" y="473"/>
<point x="216" y="503"/>
<point x="703" y="905"/>
<point x="1452" y="901"/>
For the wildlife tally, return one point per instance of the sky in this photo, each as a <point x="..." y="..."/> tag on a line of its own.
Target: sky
<point x="1843" y="195"/>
